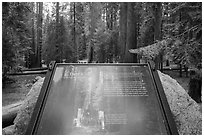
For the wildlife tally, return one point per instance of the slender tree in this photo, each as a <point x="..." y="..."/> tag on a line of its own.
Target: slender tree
<point x="39" y="33"/>
<point x="123" y="28"/>
<point x="33" y="45"/>
<point x="74" y="29"/>
<point x="57" y="54"/>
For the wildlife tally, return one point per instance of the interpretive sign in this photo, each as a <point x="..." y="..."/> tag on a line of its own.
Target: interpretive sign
<point x="100" y="99"/>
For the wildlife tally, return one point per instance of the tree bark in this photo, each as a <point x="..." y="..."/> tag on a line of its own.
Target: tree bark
<point x="131" y="34"/>
<point x="39" y="33"/>
<point x="57" y="54"/>
<point x="157" y="23"/>
<point x="123" y="30"/>
<point x="94" y="17"/>
<point x="32" y="55"/>
<point x="157" y="32"/>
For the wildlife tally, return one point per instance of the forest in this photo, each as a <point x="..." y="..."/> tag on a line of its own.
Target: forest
<point x="35" y="33"/>
<point x="166" y="35"/>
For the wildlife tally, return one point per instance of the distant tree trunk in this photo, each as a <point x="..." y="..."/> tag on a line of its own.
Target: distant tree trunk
<point x="75" y="44"/>
<point x="137" y="29"/>
<point x="39" y="33"/>
<point x="123" y="30"/>
<point x="36" y="37"/>
<point x="111" y="23"/>
<point x="111" y="28"/>
<point x="131" y="34"/>
<point x="157" y="32"/>
<point x="157" y="25"/>
<point x="94" y="17"/>
<point x="57" y="54"/>
<point x="32" y="54"/>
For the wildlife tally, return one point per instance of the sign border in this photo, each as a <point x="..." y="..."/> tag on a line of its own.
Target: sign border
<point x="162" y="100"/>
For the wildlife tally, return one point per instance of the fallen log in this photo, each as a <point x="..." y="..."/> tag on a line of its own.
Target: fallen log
<point x="28" y="73"/>
<point x="9" y="113"/>
<point x="35" y="69"/>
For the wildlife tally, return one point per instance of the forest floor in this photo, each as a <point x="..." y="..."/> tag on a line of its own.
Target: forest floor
<point x="17" y="88"/>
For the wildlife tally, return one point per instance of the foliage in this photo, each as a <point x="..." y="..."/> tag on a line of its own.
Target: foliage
<point x="102" y="42"/>
<point x="187" y="29"/>
<point x="82" y="26"/>
<point x="182" y="23"/>
<point x="150" y="52"/>
<point x="146" y="29"/>
<point x="15" y="34"/>
<point x="80" y="30"/>
<point x="65" y="50"/>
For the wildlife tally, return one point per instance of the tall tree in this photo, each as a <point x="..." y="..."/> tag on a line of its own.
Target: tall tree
<point x="94" y="15"/>
<point x="57" y="54"/>
<point x="74" y="31"/>
<point x="123" y="28"/>
<point x="15" y="34"/>
<point x="131" y="34"/>
<point x="157" y="8"/>
<point x="80" y="30"/>
<point x="39" y="33"/>
<point x="33" y="45"/>
<point x="185" y="25"/>
<point x="111" y="21"/>
<point x="157" y="11"/>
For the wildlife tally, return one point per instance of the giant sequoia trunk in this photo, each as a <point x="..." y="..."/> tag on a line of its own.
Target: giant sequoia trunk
<point x="131" y="42"/>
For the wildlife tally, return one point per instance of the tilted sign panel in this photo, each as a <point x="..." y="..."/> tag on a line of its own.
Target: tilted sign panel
<point x="102" y="100"/>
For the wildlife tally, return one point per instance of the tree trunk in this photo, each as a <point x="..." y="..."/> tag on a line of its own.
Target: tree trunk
<point x="111" y="28"/>
<point x="157" y="25"/>
<point x="37" y="36"/>
<point x="57" y="54"/>
<point x="32" y="54"/>
<point x="39" y="33"/>
<point x="131" y="34"/>
<point x="75" y="44"/>
<point x="123" y="30"/>
<point x="94" y="16"/>
<point x="157" y="31"/>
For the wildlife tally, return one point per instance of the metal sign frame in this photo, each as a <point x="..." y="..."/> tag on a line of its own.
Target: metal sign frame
<point x="163" y="104"/>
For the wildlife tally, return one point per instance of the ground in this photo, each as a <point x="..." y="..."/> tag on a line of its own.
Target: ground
<point x="16" y="89"/>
